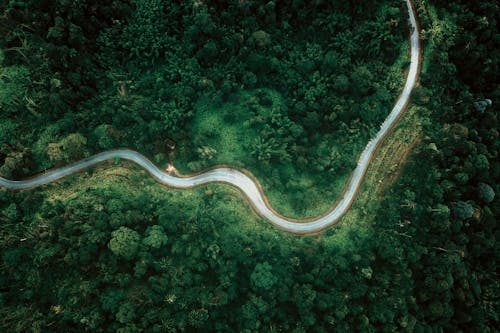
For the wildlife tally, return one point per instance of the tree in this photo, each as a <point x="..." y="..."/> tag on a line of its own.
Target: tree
<point x="268" y="150"/>
<point x="198" y="317"/>
<point x="103" y="136"/>
<point x="208" y="53"/>
<point x="155" y="237"/>
<point x="57" y="32"/>
<point x="124" y="242"/>
<point x="69" y="149"/>
<point x="462" y="210"/>
<point x="261" y="38"/>
<point x="262" y="276"/>
<point x="480" y="163"/>
<point x="362" y="78"/>
<point x="126" y="313"/>
<point x="10" y="212"/>
<point x="7" y="131"/>
<point x="14" y="87"/>
<point x="331" y="62"/>
<point x="485" y="192"/>
<point x="74" y="147"/>
<point x="341" y="83"/>
<point x="440" y="219"/>
<point x="305" y="296"/>
<point x="16" y="163"/>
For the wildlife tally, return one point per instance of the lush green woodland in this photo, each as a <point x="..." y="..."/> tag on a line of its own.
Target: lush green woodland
<point x="283" y="89"/>
<point x="286" y="92"/>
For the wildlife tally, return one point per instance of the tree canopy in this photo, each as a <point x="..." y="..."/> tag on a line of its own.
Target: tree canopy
<point x="282" y="88"/>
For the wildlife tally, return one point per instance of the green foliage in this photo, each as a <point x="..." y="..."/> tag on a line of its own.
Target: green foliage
<point x="155" y="237"/>
<point x="71" y="148"/>
<point x="7" y="132"/>
<point x="104" y="139"/>
<point x="143" y="35"/>
<point x="486" y="193"/>
<point x="265" y="150"/>
<point x="462" y="210"/>
<point x="262" y="277"/>
<point x="124" y="242"/>
<point x="92" y="254"/>
<point x="10" y="212"/>
<point x="362" y="78"/>
<point x="14" y="83"/>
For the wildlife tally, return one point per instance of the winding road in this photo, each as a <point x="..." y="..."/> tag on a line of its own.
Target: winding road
<point x="240" y="180"/>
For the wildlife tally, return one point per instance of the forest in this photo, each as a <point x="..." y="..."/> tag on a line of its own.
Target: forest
<point x="255" y="92"/>
<point x="289" y="90"/>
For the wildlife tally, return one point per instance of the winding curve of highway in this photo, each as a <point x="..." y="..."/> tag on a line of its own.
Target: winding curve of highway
<point x="240" y="180"/>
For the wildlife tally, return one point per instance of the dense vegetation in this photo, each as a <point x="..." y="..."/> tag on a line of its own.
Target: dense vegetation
<point x="109" y="250"/>
<point x="285" y="92"/>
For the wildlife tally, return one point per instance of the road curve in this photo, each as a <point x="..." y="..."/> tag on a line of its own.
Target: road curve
<point x="244" y="182"/>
